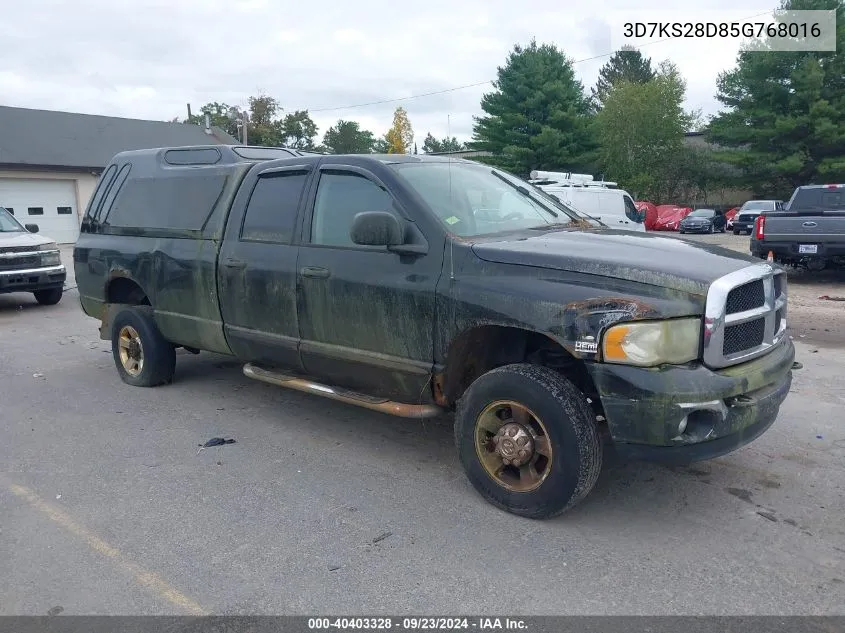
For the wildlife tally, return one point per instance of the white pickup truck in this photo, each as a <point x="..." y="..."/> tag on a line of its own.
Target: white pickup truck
<point x="29" y="262"/>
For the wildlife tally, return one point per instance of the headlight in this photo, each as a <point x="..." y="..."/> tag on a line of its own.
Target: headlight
<point x="51" y="259"/>
<point x="49" y="246"/>
<point x="649" y="343"/>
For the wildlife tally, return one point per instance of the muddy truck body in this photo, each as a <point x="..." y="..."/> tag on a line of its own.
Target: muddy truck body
<point x="418" y="286"/>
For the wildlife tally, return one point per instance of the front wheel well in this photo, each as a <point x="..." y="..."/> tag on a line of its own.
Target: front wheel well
<point x="481" y="349"/>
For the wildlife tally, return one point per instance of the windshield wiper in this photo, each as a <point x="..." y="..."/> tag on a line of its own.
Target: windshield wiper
<point x="524" y="191"/>
<point x="572" y="224"/>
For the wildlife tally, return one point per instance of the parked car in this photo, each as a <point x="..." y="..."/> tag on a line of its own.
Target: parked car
<point x="748" y="213"/>
<point x="417" y="285"/>
<point x="809" y="232"/>
<point x="596" y="199"/>
<point x="29" y="262"/>
<point x="703" y="221"/>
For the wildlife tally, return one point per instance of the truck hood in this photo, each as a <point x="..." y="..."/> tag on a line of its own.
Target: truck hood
<point x="638" y="257"/>
<point x="22" y="238"/>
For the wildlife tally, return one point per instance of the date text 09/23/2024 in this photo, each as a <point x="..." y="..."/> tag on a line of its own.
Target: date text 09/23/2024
<point x="418" y="623"/>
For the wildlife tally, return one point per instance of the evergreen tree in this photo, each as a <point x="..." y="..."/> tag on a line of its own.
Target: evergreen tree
<point x="537" y="117"/>
<point x="784" y="119"/>
<point x="626" y="64"/>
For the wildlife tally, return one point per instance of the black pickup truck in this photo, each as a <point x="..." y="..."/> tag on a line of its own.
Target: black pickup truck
<point x="808" y="233"/>
<point x="416" y="285"/>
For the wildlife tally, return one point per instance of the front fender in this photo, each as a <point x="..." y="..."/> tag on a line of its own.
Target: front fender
<point x="571" y="308"/>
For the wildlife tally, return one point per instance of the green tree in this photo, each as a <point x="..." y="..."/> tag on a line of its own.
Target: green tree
<point x="265" y="128"/>
<point x="347" y="137"/>
<point x="299" y="130"/>
<point x="400" y="136"/>
<point x="537" y="117"/>
<point x="432" y="145"/>
<point x="381" y="146"/>
<point x="783" y="122"/>
<point x="626" y="64"/>
<point x="641" y="129"/>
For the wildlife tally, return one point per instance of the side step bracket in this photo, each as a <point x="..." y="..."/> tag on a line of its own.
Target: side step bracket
<point x="417" y="411"/>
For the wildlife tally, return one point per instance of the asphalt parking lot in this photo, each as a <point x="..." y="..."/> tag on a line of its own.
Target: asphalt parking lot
<point x="320" y="507"/>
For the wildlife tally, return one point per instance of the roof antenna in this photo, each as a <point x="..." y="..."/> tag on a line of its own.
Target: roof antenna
<point x="449" y="168"/>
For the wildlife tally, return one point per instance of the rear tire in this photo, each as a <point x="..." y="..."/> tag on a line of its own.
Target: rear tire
<point x="549" y="416"/>
<point x="736" y="232"/>
<point x="141" y="354"/>
<point x="48" y="297"/>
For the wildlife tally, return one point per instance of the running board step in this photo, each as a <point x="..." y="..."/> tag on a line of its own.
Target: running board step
<point x="402" y="410"/>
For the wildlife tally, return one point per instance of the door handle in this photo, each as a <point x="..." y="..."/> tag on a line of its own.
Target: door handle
<point x="234" y="263"/>
<point x="315" y="272"/>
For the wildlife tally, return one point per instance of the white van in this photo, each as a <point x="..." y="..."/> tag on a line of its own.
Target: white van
<point x="598" y="199"/>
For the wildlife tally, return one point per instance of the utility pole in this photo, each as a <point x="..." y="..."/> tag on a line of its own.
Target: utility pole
<point x="245" y="122"/>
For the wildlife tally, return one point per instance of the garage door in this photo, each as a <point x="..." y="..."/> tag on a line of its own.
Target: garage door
<point x="51" y="204"/>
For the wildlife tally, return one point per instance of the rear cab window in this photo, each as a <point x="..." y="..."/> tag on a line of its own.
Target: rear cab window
<point x="818" y="199"/>
<point x="272" y="208"/>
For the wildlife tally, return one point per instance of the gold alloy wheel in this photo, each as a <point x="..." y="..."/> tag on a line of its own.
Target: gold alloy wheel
<point x="513" y="446"/>
<point x="131" y="351"/>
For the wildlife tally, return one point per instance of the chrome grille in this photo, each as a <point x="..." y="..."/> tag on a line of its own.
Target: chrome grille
<point x="19" y="261"/>
<point x="746" y="297"/>
<point x="745" y="315"/>
<point x="742" y="336"/>
<point x="17" y="249"/>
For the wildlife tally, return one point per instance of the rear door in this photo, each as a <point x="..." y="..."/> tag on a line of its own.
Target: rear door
<point x="257" y="267"/>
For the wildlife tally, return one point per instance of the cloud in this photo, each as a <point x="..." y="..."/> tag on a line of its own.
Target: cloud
<point x="152" y="57"/>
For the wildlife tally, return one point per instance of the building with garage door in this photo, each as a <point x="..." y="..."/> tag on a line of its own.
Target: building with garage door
<point x="50" y="161"/>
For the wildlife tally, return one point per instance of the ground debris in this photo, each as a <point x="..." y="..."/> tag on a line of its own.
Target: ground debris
<point x="829" y="298"/>
<point x="215" y="441"/>
<point x="381" y="537"/>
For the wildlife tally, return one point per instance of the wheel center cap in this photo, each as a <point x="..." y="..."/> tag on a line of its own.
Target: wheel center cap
<point x="134" y="349"/>
<point x="514" y="444"/>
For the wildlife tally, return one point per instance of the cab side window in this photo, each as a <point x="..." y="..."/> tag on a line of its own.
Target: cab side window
<point x="272" y="208"/>
<point x="631" y="211"/>
<point x="340" y="197"/>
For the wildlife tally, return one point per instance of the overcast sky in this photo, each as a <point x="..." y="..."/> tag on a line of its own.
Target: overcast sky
<point x="151" y="60"/>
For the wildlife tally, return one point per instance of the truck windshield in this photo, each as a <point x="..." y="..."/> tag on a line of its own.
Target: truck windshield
<point x="758" y="205"/>
<point x="474" y="199"/>
<point x="8" y="223"/>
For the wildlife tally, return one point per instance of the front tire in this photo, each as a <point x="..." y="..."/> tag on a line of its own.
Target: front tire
<point x="141" y="354"/>
<point x="528" y="441"/>
<point x="48" y="297"/>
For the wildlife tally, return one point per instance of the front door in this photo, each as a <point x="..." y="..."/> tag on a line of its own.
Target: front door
<point x="366" y="315"/>
<point x="258" y="270"/>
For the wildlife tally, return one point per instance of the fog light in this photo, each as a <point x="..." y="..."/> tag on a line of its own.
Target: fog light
<point x="682" y="426"/>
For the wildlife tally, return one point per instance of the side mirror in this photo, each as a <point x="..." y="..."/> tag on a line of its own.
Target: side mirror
<point x="376" y="228"/>
<point x="32" y="228"/>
